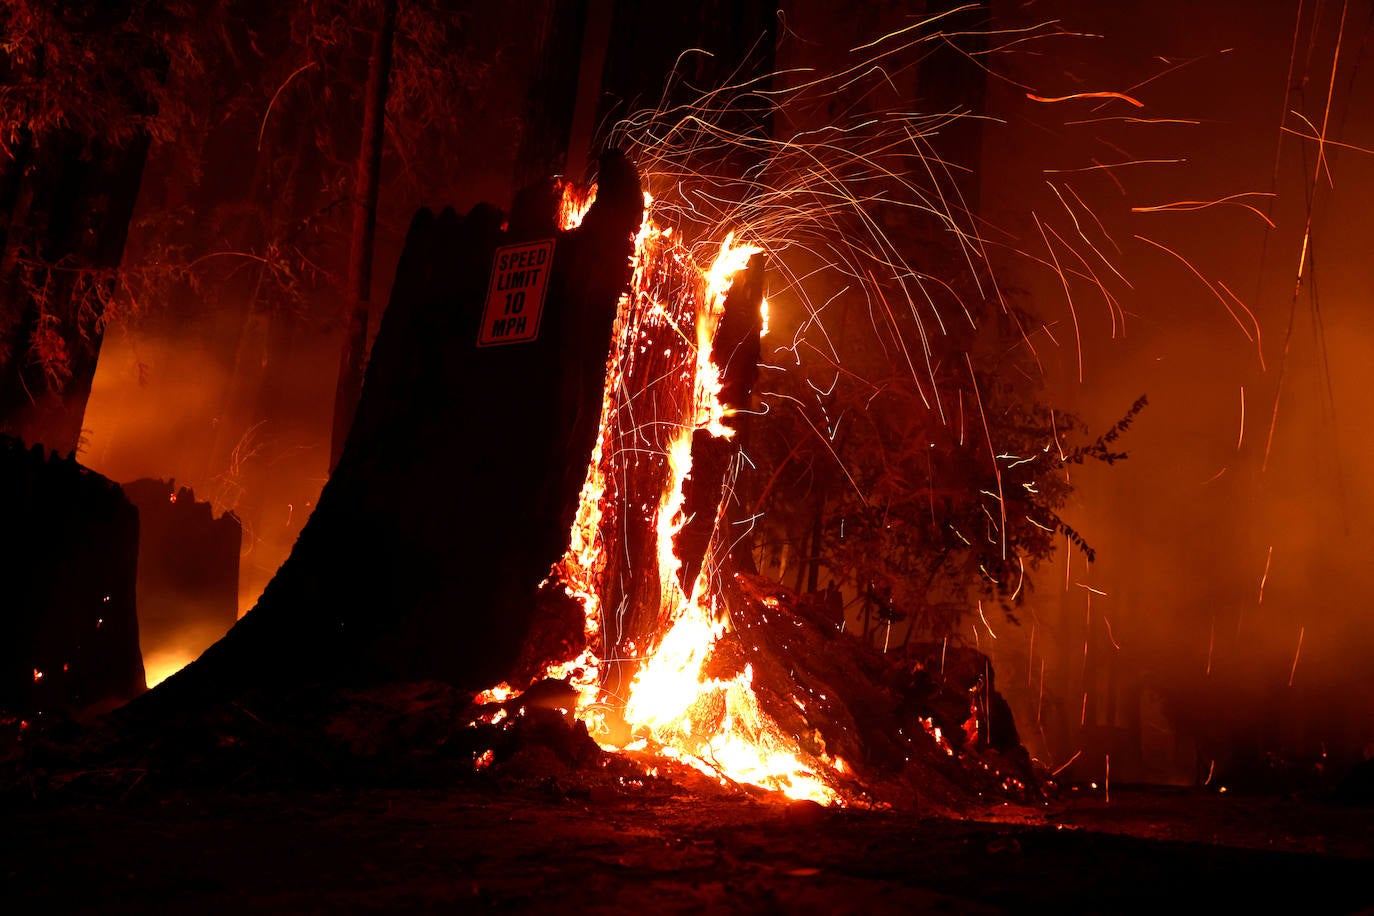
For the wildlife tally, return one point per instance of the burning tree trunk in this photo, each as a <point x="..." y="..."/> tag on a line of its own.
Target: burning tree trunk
<point x="709" y="494"/>
<point x="650" y="513"/>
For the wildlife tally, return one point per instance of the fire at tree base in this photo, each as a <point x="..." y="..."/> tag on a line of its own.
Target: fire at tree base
<point x="925" y="730"/>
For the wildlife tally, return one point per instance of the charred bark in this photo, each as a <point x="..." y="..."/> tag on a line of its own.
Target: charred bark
<point x="188" y="569"/>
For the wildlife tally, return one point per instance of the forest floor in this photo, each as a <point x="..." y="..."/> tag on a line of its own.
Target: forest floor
<point x="665" y="847"/>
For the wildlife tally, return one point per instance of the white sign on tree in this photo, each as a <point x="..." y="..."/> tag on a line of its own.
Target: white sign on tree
<point x="515" y="298"/>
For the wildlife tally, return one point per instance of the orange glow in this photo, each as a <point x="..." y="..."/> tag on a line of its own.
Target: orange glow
<point x="574" y="204"/>
<point x="160" y="665"/>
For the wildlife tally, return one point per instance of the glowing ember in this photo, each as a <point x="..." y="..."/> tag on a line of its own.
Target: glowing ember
<point x="498" y="694"/>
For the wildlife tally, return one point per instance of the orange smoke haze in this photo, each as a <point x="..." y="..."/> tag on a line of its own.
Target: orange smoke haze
<point x="1217" y="550"/>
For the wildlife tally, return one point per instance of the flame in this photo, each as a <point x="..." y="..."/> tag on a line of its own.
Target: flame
<point x="498" y="694"/>
<point x="574" y="202"/>
<point x="719" y="277"/>
<point x="714" y="725"/>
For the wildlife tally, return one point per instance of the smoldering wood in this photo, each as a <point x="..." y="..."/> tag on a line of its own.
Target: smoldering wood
<point x="68" y="617"/>
<point x="460" y="476"/>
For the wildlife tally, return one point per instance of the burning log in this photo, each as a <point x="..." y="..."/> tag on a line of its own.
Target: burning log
<point x="876" y="727"/>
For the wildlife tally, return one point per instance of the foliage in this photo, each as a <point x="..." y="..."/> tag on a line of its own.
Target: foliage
<point x="281" y="82"/>
<point x="927" y="493"/>
<point x="95" y="71"/>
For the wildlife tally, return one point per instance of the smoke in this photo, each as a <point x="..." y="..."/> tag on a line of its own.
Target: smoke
<point x="1229" y="598"/>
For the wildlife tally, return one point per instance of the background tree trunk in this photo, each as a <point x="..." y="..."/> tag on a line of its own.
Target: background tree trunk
<point x="66" y="230"/>
<point x="66" y="201"/>
<point x="353" y="356"/>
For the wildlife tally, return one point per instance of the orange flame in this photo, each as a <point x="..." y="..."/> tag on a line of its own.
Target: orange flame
<point x="716" y="726"/>
<point x="574" y="202"/>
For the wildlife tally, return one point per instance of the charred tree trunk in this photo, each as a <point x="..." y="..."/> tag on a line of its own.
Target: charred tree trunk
<point x="366" y="189"/>
<point x="564" y="95"/>
<point x="460" y="475"/>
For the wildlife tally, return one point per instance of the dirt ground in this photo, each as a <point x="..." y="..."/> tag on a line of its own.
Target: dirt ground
<point x="666" y="849"/>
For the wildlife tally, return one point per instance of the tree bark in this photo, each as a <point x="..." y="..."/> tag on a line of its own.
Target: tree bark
<point x="67" y="200"/>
